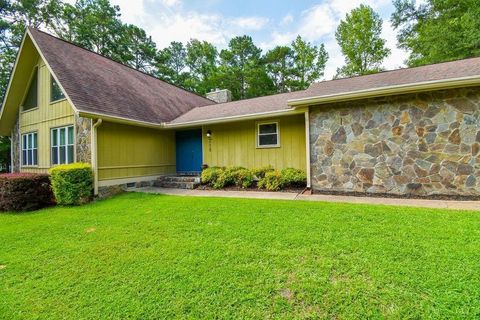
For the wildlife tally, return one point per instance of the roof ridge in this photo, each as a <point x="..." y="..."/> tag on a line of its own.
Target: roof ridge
<point x="119" y="63"/>
<point x="393" y="70"/>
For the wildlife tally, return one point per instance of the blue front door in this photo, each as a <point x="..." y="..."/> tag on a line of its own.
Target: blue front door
<point x="189" y="151"/>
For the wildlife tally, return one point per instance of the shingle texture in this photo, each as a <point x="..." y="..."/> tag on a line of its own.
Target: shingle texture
<point x="433" y="72"/>
<point x="279" y="102"/>
<point x="96" y="84"/>
<point x="99" y="85"/>
<point x="273" y="103"/>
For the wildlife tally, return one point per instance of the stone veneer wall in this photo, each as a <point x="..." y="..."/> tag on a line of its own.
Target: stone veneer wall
<point x="419" y="144"/>
<point x="16" y="146"/>
<point x="83" y="139"/>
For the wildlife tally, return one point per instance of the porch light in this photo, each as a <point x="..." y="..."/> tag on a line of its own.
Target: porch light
<point x="209" y="134"/>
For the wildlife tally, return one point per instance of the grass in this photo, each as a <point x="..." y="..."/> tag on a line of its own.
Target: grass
<point x="148" y="256"/>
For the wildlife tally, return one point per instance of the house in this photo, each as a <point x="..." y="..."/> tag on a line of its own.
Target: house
<point x="410" y="131"/>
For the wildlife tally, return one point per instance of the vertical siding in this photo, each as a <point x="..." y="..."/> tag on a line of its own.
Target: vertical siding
<point x="42" y="119"/>
<point x="234" y="144"/>
<point x="127" y="151"/>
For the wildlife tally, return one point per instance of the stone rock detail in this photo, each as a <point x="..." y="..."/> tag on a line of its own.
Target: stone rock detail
<point x="83" y="139"/>
<point x="418" y="144"/>
<point x="110" y="191"/>
<point x="16" y="148"/>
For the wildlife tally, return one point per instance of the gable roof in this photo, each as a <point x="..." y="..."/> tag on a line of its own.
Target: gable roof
<point x="99" y="86"/>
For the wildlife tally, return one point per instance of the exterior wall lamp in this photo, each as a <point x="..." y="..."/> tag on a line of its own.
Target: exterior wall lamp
<point x="209" y="137"/>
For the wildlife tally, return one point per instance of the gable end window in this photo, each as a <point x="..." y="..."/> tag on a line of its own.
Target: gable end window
<point x="56" y="93"/>
<point x="268" y="135"/>
<point x="29" y="149"/>
<point x="31" y="99"/>
<point x="62" y="142"/>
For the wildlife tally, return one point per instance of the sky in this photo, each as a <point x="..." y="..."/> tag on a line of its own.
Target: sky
<point x="269" y="22"/>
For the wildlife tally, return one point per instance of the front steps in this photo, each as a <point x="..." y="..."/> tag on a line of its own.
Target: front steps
<point x="178" y="182"/>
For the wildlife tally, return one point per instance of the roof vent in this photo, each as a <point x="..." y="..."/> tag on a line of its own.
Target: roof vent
<point x="220" y="96"/>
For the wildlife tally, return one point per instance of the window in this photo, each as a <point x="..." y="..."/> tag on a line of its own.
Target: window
<point x="29" y="149"/>
<point x="55" y="91"/>
<point x="62" y="145"/>
<point x="268" y="135"/>
<point x="30" y="101"/>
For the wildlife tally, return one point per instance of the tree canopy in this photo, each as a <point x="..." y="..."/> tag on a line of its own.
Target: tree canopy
<point x="359" y="37"/>
<point x="438" y="30"/>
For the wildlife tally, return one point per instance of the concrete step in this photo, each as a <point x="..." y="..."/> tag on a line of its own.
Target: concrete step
<point x="180" y="179"/>
<point x="176" y="185"/>
<point x="178" y="182"/>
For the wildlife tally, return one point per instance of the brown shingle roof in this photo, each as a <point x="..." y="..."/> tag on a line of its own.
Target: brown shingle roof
<point x="96" y="84"/>
<point x="273" y="103"/>
<point x="433" y="72"/>
<point x="279" y="102"/>
<point x="99" y="85"/>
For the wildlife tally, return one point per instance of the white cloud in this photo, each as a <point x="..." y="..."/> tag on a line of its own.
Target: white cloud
<point x="171" y="3"/>
<point x="250" y="23"/>
<point x="170" y="20"/>
<point x="287" y="19"/>
<point x="318" y="24"/>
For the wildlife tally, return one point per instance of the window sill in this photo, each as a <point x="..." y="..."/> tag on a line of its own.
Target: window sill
<point x="269" y="147"/>
<point x="57" y="101"/>
<point x="25" y="111"/>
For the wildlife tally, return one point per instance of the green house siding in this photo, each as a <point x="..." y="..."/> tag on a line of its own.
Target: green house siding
<point x="128" y="151"/>
<point x="235" y="144"/>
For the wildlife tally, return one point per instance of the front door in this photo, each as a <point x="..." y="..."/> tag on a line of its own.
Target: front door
<point x="189" y="151"/>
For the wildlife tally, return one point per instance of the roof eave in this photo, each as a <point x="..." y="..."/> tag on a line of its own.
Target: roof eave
<point x="252" y="116"/>
<point x="121" y="120"/>
<point x="387" y="91"/>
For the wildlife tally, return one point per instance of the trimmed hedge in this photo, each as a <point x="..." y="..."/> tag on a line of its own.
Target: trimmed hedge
<point x="72" y="184"/>
<point x="267" y="177"/>
<point x="294" y="178"/>
<point x="25" y="191"/>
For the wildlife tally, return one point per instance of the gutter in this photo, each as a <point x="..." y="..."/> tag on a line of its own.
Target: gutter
<point x="95" y="155"/>
<point x="389" y="90"/>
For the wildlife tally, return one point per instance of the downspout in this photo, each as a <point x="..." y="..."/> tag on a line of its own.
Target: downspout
<point x="95" y="156"/>
<point x="307" y="143"/>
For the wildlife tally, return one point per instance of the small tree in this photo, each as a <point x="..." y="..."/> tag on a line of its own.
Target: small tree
<point x="359" y="39"/>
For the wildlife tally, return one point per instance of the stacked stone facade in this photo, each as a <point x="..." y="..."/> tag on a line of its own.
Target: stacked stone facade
<point x="15" y="138"/>
<point x="83" y="139"/>
<point x="421" y="144"/>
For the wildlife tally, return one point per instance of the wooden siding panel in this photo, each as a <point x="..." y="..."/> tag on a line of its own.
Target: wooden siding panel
<point x="43" y="118"/>
<point x="127" y="151"/>
<point x="234" y="144"/>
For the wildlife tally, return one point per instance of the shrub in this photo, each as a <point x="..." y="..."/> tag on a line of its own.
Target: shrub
<point x="72" y="183"/>
<point x="294" y="178"/>
<point x="210" y="175"/>
<point x="272" y="181"/>
<point x="259" y="173"/>
<point x="24" y="191"/>
<point x="226" y="177"/>
<point x="243" y="178"/>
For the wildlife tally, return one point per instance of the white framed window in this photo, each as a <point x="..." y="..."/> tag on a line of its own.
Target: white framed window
<point x="62" y="142"/>
<point x="268" y="134"/>
<point x="30" y="149"/>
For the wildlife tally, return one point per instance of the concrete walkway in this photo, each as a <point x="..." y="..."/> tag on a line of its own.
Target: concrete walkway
<point x="436" y="204"/>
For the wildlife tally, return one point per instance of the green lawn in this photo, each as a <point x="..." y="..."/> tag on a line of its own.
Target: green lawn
<point x="149" y="256"/>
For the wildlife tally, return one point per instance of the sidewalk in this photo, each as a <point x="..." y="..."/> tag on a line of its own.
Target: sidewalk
<point x="436" y="204"/>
